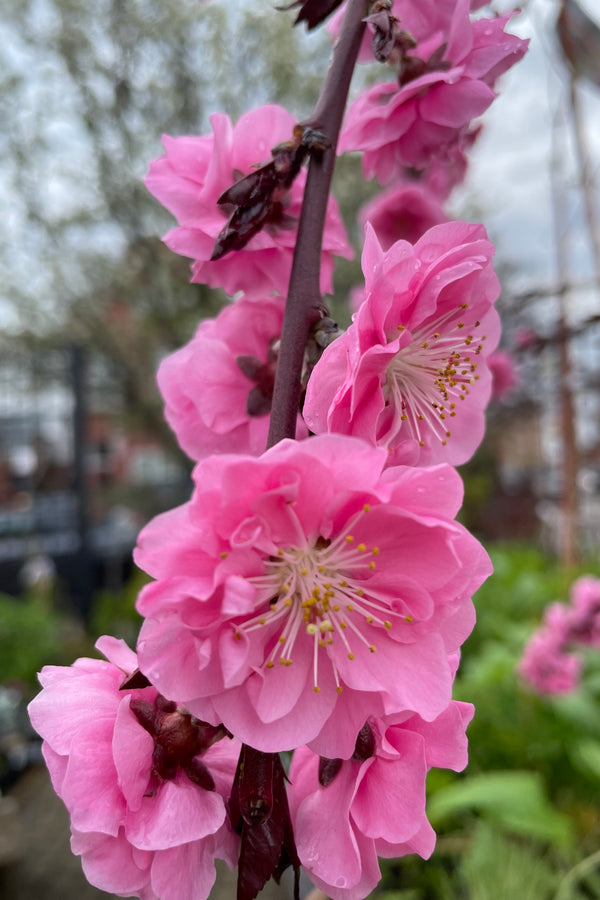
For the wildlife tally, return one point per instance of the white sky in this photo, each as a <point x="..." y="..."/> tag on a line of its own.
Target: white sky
<point x="509" y="176"/>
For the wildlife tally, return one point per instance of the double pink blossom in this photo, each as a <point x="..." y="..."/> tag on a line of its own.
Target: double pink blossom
<point x="410" y="374"/>
<point x="295" y="594"/>
<point x="142" y="782"/>
<point x="193" y="174"/>
<point x="429" y="115"/>
<point x="376" y="799"/>
<point x="218" y="387"/>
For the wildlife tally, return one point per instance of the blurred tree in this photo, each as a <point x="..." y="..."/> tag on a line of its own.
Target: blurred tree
<point x="85" y="91"/>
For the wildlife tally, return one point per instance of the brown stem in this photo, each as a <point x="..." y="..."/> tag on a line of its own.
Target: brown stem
<point x="303" y="307"/>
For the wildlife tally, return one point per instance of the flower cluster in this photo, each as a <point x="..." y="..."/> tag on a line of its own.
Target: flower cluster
<point x="550" y="663"/>
<point x="447" y="66"/>
<point x="311" y="597"/>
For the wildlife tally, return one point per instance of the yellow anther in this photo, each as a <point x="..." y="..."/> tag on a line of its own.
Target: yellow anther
<point x="336" y="608"/>
<point x="421" y="443"/>
<point x="460" y="325"/>
<point x="425" y="345"/>
<point x="369" y="620"/>
<point x="351" y="656"/>
<point x="325" y="625"/>
<point x="339" y="689"/>
<point x="317" y="689"/>
<point x="403" y="417"/>
<point x="408" y="618"/>
<point x="360" y="592"/>
<point x="304" y="571"/>
<point x="281" y="639"/>
<point x="343" y="625"/>
<point x="361" y="547"/>
<point x="366" y="507"/>
<point x="375" y="551"/>
<point x="436" y="335"/>
<point x="270" y="664"/>
<point x="237" y="636"/>
<point x="464" y="305"/>
<point x="349" y="538"/>
<point x="343" y="583"/>
<point x="287" y="602"/>
<point x="321" y="643"/>
<point x="401" y="327"/>
<point x="387" y="624"/>
<point x="262" y="620"/>
<point x="372" y="648"/>
<point x="224" y="554"/>
<point x="330" y="641"/>
<point x="372" y="565"/>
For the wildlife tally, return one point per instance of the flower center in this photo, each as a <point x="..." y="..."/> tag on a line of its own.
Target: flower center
<point x="320" y="591"/>
<point x="428" y="379"/>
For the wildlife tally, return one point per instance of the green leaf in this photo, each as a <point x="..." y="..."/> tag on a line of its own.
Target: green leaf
<point x="513" y="800"/>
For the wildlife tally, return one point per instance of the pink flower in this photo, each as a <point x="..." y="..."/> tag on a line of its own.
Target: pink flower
<point x="218" y="388"/>
<point x="421" y="18"/>
<point x="294" y="588"/>
<point x="524" y="338"/>
<point x="584" y="617"/>
<point x="410" y="373"/>
<point x="429" y="115"/>
<point x="547" y="667"/>
<point x="404" y="212"/>
<point x="376" y="799"/>
<point x="142" y="780"/>
<point x="505" y="377"/>
<point x="197" y="170"/>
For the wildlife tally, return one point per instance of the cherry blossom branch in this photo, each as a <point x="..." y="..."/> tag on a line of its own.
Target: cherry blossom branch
<point x="304" y="305"/>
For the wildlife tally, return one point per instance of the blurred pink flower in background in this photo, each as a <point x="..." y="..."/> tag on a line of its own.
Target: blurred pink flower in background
<point x="410" y="374"/>
<point x="546" y="665"/>
<point x="218" y="387"/>
<point x="584" y="619"/>
<point x="404" y="212"/>
<point x="193" y="174"/>
<point x="549" y="664"/>
<point x="505" y="376"/>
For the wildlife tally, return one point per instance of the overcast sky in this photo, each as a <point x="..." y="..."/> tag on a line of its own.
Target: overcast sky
<point x="509" y="175"/>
